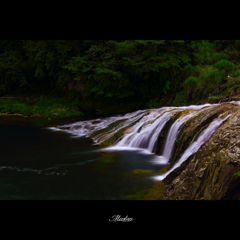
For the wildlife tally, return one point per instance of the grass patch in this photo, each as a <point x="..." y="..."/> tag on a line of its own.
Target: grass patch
<point x="45" y="106"/>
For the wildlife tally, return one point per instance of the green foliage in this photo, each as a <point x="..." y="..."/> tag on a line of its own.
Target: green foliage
<point x="129" y="68"/>
<point x="203" y="50"/>
<point x="166" y="87"/>
<point x="49" y="107"/>
<point x="191" y="81"/>
<point x="232" y="52"/>
<point x="236" y="73"/>
<point x="211" y="77"/>
<point x="214" y="99"/>
<point x="219" y="56"/>
<point x="224" y="64"/>
<point x="189" y="68"/>
<point x="180" y="99"/>
<point x="153" y="103"/>
<point x="234" y="82"/>
<point x="138" y="195"/>
<point x="237" y="173"/>
<point x="106" y="74"/>
<point x="12" y="106"/>
<point x="177" y="141"/>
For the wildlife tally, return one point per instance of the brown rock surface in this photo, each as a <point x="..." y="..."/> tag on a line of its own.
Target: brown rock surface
<point x="208" y="174"/>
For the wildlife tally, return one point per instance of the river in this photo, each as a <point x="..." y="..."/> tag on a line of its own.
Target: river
<point x="38" y="163"/>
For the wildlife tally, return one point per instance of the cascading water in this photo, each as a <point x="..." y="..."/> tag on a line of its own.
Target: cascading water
<point x="196" y="144"/>
<point x="172" y="135"/>
<point x="144" y="133"/>
<point x="147" y="136"/>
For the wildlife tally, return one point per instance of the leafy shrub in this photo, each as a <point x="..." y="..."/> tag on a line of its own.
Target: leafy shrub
<point x="210" y="78"/>
<point x="236" y="73"/>
<point x="189" y="68"/>
<point x="204" y="50"/>
<point x="224" y="64"/>
<point x="234" y="82"/>
<point x="191" y="81"/>
<point x="232" y="53"/>
<point x="197" y="71"/>
<point x="179" y="99"/>
<point x="235" y="90"/>
<point x="219" y="56"/>
<point x="153" y="103"/>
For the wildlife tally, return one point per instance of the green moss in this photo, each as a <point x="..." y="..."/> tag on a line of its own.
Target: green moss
<point x="214" y="99"/>
<point x="156" y="192"/>
<point x="177" y="141"/>
<point x="108" y="128"/>
<point x="162" y="171"/>
<point x="143" y="171"/>
<point x="138" y="195"/>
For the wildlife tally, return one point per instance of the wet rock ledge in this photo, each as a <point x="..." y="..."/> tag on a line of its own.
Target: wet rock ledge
<point x="209" y="173"/>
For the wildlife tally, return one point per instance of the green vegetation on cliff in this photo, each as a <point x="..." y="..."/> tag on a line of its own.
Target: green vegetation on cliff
<point x="114" y="76"/>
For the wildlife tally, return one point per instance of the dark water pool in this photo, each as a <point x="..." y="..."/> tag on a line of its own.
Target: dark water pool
<point x="39" y="163"/>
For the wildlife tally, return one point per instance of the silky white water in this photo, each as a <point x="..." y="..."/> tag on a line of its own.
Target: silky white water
<point x="144" y="133"/>
<point x="196" y="144"/>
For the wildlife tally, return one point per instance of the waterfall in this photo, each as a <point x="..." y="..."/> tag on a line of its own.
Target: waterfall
<point x="196" y="144"/>
<point x="144" y="133"/>
<point x="172" y="136"/>
<point x="146" y="138"/>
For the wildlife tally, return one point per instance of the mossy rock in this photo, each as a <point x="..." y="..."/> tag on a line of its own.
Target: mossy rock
<point x="107" y="129"/>
<point x="138" y="195"/>
<point x="156" y="192"/>
<point x="117" y="136"/>
<point x="143" y="171"/>
<point x="163" y="170"/>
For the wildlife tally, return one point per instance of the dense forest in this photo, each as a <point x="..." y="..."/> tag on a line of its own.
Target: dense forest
<point x="114" y="76"/>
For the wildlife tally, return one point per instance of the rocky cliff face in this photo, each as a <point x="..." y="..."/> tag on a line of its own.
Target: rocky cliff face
<point x="209" y="173"/>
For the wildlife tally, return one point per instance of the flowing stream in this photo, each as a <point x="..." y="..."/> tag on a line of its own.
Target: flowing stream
<point x="64" y="163"/>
